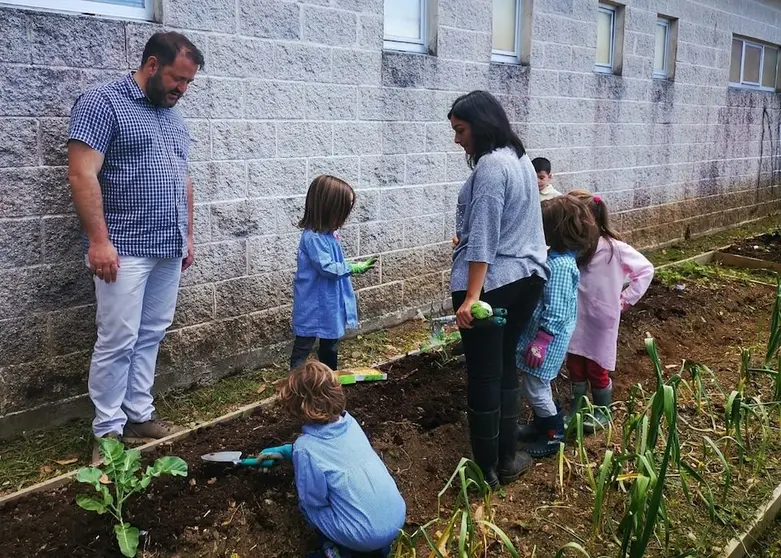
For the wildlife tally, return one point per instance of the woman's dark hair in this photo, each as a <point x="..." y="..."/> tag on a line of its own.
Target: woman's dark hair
<point x="601" y="216"/>
<point x="166" y="46"/>
<point x="488" y="123"/>
<point x="329" y="202"/>
<point x="569" y="227"/>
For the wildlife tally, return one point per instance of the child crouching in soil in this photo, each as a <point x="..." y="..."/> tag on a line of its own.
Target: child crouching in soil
<point x="570" y="232"/>
<point x="344" y="490"/>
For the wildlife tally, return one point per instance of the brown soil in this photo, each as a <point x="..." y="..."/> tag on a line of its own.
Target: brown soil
<point x="415" y="420"/>
<point x="764" y="247"/>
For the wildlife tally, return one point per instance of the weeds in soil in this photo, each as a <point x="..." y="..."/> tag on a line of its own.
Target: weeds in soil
<point x="121" y="474"/>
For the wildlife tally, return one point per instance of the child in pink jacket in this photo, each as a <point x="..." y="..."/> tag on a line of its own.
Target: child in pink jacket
<point x="601" y="299"/>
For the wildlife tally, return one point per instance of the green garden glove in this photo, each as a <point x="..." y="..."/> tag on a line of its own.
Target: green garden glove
<point x="359" y="268"/>
<point x="482" y="310"/>
<point x="277" y="454"/>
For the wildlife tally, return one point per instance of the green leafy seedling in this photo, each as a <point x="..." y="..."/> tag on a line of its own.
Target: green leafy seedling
<point x="119" y="478"/>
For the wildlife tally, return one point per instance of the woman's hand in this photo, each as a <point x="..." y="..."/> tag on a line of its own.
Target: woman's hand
<point x="464" y="314"/>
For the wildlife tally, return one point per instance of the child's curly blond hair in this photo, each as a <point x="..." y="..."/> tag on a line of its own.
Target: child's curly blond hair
<point x="313" y="393"/>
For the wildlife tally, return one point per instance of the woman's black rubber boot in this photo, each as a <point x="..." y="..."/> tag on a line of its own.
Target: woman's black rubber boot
<point x="512" y="462"/>
<point x="484" y="436"/>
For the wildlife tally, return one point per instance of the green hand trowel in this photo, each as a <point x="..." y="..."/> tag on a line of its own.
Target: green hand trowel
<point x="234" y="458"/>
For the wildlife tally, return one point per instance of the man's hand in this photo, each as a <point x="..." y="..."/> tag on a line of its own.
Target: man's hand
<point x="190" y="257"/>
<point x="103" y="260"/>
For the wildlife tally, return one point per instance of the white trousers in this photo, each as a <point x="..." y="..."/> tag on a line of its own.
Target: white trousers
<point x="132" y="316"/>
<point x="539" y="395"/>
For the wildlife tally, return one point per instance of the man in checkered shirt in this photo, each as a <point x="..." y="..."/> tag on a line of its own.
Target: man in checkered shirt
<point x="127" y="165"/>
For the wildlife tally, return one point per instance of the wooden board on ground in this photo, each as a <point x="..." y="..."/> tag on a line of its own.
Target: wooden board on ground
<point x="733" y="260"/>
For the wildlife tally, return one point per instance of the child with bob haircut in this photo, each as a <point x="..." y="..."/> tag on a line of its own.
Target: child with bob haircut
<point x="323" y="296"/>
<point x="570" y="231"/>
<point x="601" y="299"/>
<point x="344" y="489"/>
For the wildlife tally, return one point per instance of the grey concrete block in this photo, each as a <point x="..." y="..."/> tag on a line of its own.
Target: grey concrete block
<point x="360" y="138"/>
<point x="210" y="97"/>
<point x="474" y="15"/>
<point x="138" y="33"/>
<point x="349" y="238"/>
<point x="72" y="330"/>
<point x="219" y="180"/>
<point x="457" y="168"/>
<point x="46" y="91"/>
<point x="202" y="229"/>
<point x="62" y="239"/>
<point x="290" y="212"/>
<point x="381" y="236"/>
<point x="423" y="290"/>
<point x="44" y="289"/>
<point x="401" y="69"/>
<point x="425" y="168"/>
<point x="251" y="294"/>
<point x="331" y="102"/>
<point x="402" y="264"/>
<point x="213" y="343"/>
<point x="304" y="139"/>
<point x="87" y="42"/>
<point x="401" y="203"/>
<point x="356" y="67"/>
<point x="217" y="262"/>
<point x="298" y="62"/>
<point x="439" y="138"/>
<point x="194" y="305"/>
<point x="270" y="19"/>
<point x="382" y="171"/>
<point x="421" y="231"/>
<point x="243" y="218"/>
<point x="274" y="99"/>
<point x="273" y="253"/>
<point x="240" y="57"/>
<point x="270" y="326"/>
<point x="19" y="138"/>
<point x="34" y="191"/>
<point x="277" y="177"/>
<point x="370" y="31"/>
<point x="439" y="257"/>
<point x="22" y="339"/>
<point x="346" y="168"/>
<point x="14" y="36"/>
<point x="403" y="137"/>
<point x="206" y="15"/>
<point x="243" y="139"/>
<point x="21" y="242"/>
<point x="329" y="27"/>
<point x="379" y="301"/>
<point x="200" y="140"/>
<point x="367" y="204"/>
<point x="361" y="6"/>
<point x="54" y="137"/>
<point x="459" y="44"/>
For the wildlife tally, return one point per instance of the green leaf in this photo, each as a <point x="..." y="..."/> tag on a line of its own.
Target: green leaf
<point x="112" y="451"/>
<point x="91" y="476"/>
<point x="502" y="536"/>
<point x="91" y="504"/>
<point x="572" y="546"/>
<point x="127" y="537"/>
<point x="168" y="465"/>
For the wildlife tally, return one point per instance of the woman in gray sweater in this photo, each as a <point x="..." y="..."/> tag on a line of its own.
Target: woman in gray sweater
<point x="500" y="259"/>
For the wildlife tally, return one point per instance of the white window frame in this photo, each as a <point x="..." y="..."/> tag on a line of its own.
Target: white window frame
<point x="665" y="71"/>
<point x="755" y="44"/>
<point x="89" y="7"/>
<point x="609" y="68"/>
<point x="405" y="44"/>
<point x="514" y="56"/>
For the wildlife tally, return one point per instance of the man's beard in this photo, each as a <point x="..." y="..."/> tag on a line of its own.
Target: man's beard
<point x="156" y="92"/>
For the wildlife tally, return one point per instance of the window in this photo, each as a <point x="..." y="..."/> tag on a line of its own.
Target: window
<point x="130" y="9"/>
<point x="507" y="31"/>
<point x="405" y="25"/>
<point x="610" y="38"/>
<point x="754" y="65"/>
<point x="665" y="34"/>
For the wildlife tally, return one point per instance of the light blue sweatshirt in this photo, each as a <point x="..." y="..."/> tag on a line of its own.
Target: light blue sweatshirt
<point x="344" y="488"/>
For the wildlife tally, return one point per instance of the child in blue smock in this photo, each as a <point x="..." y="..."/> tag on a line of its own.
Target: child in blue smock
<point x="570" y="231"/>
<point x="344" y="489"/>
<point x="323" y="297"/>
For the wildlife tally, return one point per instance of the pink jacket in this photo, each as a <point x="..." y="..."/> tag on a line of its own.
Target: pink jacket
<point x="601" y="297"/>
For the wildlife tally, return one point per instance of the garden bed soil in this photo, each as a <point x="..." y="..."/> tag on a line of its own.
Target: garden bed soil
<point x="416" y="421"/>
<point x="763" y="247"/>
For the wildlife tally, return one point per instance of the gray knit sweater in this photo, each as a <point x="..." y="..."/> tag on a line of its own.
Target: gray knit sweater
<point x="499" y="222"/>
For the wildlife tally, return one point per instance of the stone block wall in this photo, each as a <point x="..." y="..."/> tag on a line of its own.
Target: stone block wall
<point x="295" y="89"/>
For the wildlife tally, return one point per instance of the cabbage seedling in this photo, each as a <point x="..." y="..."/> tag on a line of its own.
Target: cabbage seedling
<point x="118" y="479"/>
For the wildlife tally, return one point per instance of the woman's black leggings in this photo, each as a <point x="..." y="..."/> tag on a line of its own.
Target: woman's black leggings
<point x="490" y="351"/>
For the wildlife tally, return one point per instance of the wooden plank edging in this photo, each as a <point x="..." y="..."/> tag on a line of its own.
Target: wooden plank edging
<point x="742" y="544"/>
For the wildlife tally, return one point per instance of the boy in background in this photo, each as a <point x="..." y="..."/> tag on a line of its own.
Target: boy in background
<point x="542" y="167"/>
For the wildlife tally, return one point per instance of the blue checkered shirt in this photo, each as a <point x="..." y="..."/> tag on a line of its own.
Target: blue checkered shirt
<point x="144" y="175"/>
<point x="556" y="313"/>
